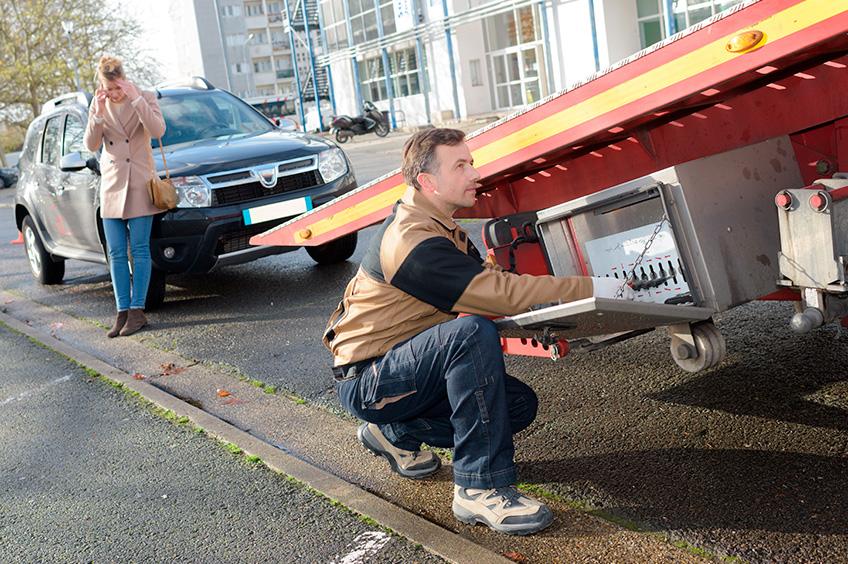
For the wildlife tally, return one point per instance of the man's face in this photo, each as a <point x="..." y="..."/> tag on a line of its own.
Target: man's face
<point x="453" y="184"/>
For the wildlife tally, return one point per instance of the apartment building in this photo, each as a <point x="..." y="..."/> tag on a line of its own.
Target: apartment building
<point x="241" y="45"/>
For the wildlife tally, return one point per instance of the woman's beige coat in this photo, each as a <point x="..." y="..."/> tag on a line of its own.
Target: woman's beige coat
<point x="126" y="163"/>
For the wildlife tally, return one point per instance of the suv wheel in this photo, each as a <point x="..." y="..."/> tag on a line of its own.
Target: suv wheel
<point x="155" y="290"/>
<point x="335" y="251"/>
<point x="45" y="269"/>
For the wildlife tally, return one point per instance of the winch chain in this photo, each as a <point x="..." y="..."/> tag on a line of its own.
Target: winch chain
<point x="631" y="276"/>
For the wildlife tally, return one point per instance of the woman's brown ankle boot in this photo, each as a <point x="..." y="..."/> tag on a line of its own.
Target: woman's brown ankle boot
<point x="120" y="321"/>
<point x="135" y="321"/>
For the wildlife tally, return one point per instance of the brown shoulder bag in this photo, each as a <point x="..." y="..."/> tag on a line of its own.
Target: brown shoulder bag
<point x="162" y="191"/>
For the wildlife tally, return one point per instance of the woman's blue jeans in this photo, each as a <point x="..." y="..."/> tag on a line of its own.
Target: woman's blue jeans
<point x="459" y="396"/>
<point x="129" y="294"/>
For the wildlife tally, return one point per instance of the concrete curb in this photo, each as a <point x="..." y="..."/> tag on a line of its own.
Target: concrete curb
<point x="437" y="540"/>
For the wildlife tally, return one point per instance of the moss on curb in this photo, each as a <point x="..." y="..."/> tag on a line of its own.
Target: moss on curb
<point x="256" y="383"/>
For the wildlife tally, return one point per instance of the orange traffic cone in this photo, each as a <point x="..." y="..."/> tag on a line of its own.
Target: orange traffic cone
<point x="19" y="240"/>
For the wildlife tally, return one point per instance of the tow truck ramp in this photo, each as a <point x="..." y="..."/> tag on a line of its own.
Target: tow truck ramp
<point x="703" y="171"/>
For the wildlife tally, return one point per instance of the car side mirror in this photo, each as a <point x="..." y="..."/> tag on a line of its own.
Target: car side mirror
<point x="287" y="124"/>
<point x="277" y="122"/>
<point x="72" y="162"/>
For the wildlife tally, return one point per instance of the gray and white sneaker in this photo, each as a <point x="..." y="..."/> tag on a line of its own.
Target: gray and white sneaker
<point x="408" y="463"/>
<point x="505" y="510"/>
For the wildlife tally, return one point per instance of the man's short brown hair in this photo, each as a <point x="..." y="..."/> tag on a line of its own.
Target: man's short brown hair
<point x="419" y="152"/>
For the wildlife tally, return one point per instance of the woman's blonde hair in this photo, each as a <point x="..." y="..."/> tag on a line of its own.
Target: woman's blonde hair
<point x="110" y="68"/>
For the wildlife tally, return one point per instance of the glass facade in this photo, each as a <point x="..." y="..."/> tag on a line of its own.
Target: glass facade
<point x="512" y="60"/>
<point x="403" y="62"/>
<point x="363" y="21"/>
<point x="403" y="67"/>
<point x="686" y="13"/>
<point x="516" y="57"/>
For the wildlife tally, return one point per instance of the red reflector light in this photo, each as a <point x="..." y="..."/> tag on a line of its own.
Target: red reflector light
<point x="783" y="200"/>
<point x="818" y="201"/>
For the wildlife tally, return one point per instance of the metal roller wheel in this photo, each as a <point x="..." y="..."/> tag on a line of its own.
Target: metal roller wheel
<point x="710" y="348"/>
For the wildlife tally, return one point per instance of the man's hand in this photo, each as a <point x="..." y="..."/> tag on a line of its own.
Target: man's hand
<point x="99" y="102"/>
<point x="130" y="91"/>
<point x="604" y="287"/>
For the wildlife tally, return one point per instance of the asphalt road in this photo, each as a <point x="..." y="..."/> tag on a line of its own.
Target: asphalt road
<point x="88" y="474"/>
<point x="749" y="459"/>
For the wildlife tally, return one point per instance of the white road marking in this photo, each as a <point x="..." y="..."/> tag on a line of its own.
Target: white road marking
<point x="23" y="395"/>
<point x="364" y="546"/>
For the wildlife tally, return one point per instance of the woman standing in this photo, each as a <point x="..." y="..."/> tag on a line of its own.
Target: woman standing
<point x="123" y="119"/>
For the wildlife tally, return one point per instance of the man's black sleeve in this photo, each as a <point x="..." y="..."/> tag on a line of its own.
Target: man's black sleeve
<point x="436" y="272"/>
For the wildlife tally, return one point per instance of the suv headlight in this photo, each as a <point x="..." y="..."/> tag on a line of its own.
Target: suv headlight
<point x="332" y="164"/>
<point x="192" y="192"/>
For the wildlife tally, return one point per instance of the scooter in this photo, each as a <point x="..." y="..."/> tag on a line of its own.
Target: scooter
<point x="372" y="120"/>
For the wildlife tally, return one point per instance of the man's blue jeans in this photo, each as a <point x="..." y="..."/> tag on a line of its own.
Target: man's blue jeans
<point x="116" y="241"/>
<point x="460" y="397"/>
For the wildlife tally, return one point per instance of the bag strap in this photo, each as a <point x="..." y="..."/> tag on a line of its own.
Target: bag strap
<point x="164" y="162"/>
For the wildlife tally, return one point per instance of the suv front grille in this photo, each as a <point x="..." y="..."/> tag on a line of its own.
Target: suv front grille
<point x="254" y="190"/>
<point x="221" y="178"/>
<point x="240" y="239"/>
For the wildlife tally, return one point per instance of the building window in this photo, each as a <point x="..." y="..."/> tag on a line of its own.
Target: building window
<point x="259" y="37"/>
<point x="262" y="66"/>
<point x="230" y="11"/>
<point x="275" y="12"/>
<point x="335" y="24"/>
<point x="372" y="79"/>
<point x="515" y="51"/>
<point x="284" y="68"/>
<point x="279" y="40"/>
<point x="474" y="71"/>
<point x="363" y="19"/>
<point x="235" y="40"/>
<point x="238" y="68"/>
<point x="513" y="28"/>
<point x="403" y="65"/>
<point x="651" y="17"/>
<point x="254" y="9"/>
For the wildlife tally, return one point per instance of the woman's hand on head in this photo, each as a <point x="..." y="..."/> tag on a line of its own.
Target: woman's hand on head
<point x="130" y="91"/>
<point x="99" y="101"/>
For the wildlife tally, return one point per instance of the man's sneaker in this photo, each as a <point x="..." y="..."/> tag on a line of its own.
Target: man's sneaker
<point x="407" y="463"/>
<point x="505" y="510"/>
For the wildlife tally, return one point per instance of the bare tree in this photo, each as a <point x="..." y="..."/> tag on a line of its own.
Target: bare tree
<point x="35" y="59"/>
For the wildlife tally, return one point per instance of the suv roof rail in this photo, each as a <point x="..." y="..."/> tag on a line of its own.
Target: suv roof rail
<point x="83" y="98"/>
<point x="196" y="82"/>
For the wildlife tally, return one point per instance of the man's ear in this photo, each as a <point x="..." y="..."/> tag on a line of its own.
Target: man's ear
<point x="426" y="181"/>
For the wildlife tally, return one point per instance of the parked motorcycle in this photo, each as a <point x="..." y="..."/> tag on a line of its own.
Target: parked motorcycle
<point x="372" y="120"/>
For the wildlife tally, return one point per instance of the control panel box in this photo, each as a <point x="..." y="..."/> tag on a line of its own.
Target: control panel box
<point x="702" y="233"/>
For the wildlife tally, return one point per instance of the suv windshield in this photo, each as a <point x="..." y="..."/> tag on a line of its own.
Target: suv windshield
<point x="211" y="115"/>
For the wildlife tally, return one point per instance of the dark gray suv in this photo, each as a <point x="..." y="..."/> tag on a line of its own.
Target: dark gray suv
<point x="236" y="175"/>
